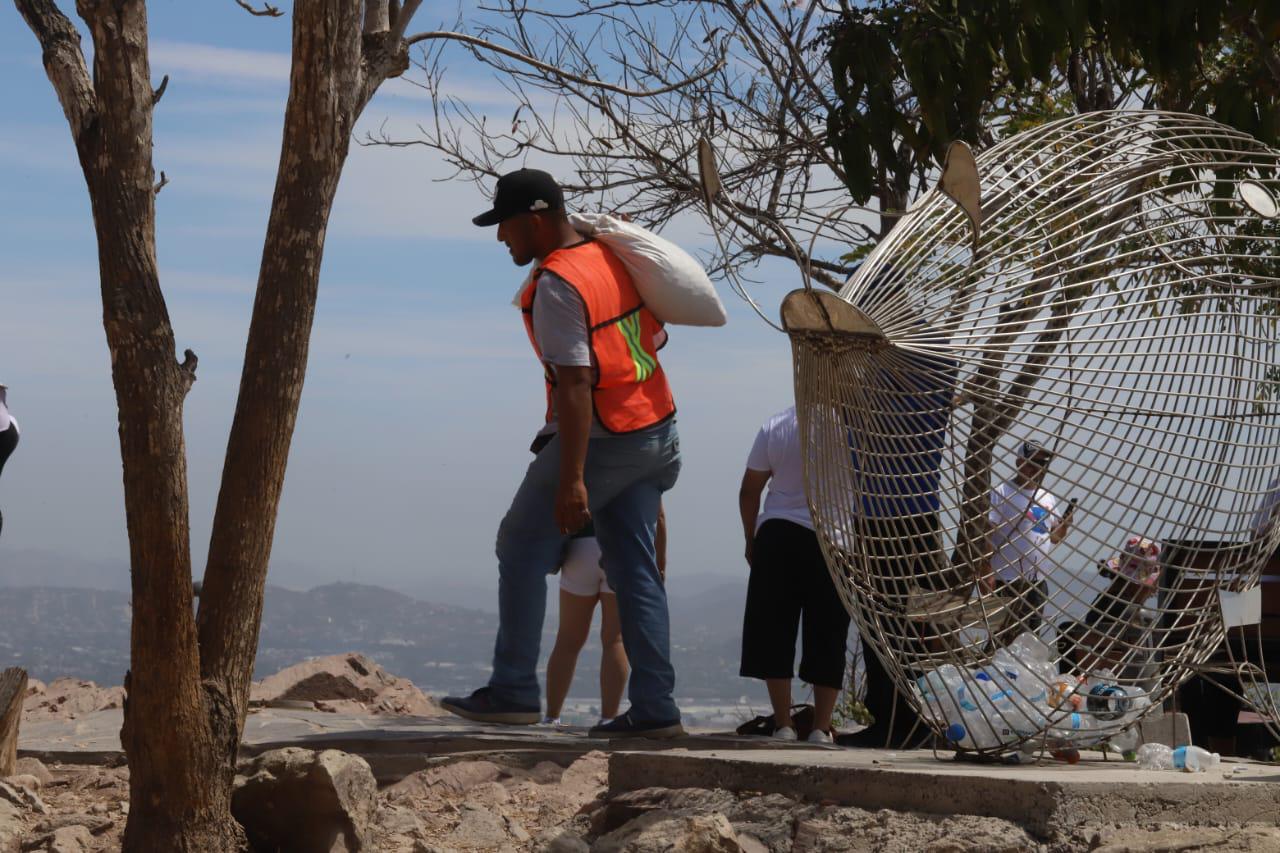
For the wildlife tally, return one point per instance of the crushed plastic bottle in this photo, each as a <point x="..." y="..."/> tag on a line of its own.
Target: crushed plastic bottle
<point x="1193" y="759"/>
<point x="1155" y="756"/>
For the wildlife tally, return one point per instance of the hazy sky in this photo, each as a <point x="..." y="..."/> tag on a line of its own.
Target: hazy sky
<point x="421" y="393"/>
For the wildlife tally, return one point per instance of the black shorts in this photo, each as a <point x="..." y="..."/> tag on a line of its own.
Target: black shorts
<point x="789" y="580"/>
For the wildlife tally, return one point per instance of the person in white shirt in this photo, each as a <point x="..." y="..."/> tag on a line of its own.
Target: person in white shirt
<point x="8" y="433"/>
<point x="1025" y="523"/>
<point x="789" y="582"/>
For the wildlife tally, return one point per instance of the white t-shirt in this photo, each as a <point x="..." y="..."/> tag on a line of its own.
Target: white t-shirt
<point x="777" y="450"/>
<point x="6" y="419"/>
<point x="1021" y="522"/>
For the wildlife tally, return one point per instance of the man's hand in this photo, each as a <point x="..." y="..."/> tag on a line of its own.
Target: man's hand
<point x="572" y="513"/>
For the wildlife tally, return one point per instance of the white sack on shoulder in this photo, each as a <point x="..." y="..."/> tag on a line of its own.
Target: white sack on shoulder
<point x="673" y="285"/>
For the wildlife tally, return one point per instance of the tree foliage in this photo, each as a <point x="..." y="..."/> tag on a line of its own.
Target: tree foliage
<point x="911" y="76"/>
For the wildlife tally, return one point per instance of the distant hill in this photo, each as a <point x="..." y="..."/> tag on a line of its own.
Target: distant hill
<point x="84" y="633"/>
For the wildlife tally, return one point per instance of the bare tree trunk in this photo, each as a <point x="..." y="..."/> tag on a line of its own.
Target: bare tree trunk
<point x="177" y="802"/>
<point x="317" y="128"/>
<point x="13" y="690"/>
<point x="186" y="700"/>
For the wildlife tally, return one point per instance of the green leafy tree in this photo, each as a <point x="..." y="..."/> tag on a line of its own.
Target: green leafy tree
<point x="911" y="76"/>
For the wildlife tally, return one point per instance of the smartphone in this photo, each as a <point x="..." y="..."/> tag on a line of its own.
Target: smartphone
<point x="1071" y="507"/>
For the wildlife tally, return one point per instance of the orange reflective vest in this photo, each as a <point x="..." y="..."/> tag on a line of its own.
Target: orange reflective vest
<point x="631" y="391"/>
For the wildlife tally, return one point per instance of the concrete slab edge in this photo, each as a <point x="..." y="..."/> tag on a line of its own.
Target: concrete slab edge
<point x="1040" y="807"/>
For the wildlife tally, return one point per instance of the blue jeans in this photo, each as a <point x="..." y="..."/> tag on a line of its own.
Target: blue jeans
<point x="625" y="477"/>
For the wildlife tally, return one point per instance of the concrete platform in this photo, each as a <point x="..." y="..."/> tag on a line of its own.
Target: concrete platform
<point x="394" y="746"/>
<point x="1038" y="797"/>
<point x="1051" y="795"/>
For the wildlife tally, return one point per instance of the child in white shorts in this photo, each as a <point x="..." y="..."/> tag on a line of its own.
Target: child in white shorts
<point x="582" y="584"/>
<point x="582" y="573"/>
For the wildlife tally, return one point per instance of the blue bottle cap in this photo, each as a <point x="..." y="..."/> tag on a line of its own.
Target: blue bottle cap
<point x="955" y="732"/>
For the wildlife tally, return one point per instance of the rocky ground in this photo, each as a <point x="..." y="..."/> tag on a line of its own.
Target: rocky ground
<point x="495" y="803"/>
<point x="487" y="805"/>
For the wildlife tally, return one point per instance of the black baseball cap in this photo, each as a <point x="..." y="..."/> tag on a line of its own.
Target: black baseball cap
<point x="522" y="191"/>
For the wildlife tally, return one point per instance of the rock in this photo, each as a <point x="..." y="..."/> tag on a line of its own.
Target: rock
<point x="397" y="820"/>
<point x="66" y="839"/>
<point x="299" y="800"/>
<point x="489" y="794"/>
<point x="68" y="698"/>
<point x="769" y="819"/>
<point x="662" y="831"/>
<point x="630" y="805"/>
<point x="94" y="823"/>
<point x="349" y="683"/>
<point x="557" y="840"/>
<point x="24" y="780"/>
<point x="853" y="829"/>
<point x="516" y="830"/>
<point x="11" y="826"/>
<point x="23" y="798"/>
<point x="587" y="775"/>
<point x="479" y="828"/>
<point x="546" y="773"/>
<point x="35" y="767"/>
<point x="456" y="778"/>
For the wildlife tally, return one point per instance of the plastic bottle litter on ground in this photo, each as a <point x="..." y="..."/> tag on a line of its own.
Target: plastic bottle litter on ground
<point x="1126" y="743"/>
<point x="1193" y="759"/>
<point x="1155" y="756"/>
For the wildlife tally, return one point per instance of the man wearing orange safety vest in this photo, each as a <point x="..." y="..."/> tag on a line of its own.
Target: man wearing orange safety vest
<point x="613" y="450"/>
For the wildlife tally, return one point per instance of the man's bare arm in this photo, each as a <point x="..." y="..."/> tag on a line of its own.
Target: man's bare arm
<point x="573" y="408"/>
<point x="753" y="483"/>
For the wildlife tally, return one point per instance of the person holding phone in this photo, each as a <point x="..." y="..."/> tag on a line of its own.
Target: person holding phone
<point x="1025" y="524"/>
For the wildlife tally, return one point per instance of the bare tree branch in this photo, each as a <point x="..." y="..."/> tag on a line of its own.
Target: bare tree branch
<point x="751" y="82"/>
<point x="162" y="183"/>
<point x="267" y="10"/>
<point x="189" y="363"/>
<point x="159" y="92"/>
<point x="560" y="72"/>
<point x="63" y="61"/>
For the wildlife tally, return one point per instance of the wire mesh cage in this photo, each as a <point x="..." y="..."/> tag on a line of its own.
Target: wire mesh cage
<point x="1040" y="424"/>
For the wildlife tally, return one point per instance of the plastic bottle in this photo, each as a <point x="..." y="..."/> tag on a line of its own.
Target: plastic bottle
<point x="1193" y="759"/>
<point x="1062" y="693"/>
<point x="1155" y="756"/>
<point x="976" y="713"/>
<point x="1108" y="701"/>
<point x="1028" y="648"/>
<point x="1074" y="727"/>
<point x="1126" y="743"/>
